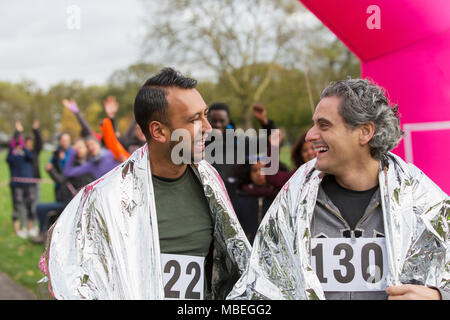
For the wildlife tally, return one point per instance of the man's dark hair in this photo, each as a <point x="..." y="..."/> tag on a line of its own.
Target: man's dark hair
<point x="219" y="106"/>
<point x="151" y="102"/>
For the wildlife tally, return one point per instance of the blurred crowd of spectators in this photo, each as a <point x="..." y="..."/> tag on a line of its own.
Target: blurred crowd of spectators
<point x="76" y="164"/>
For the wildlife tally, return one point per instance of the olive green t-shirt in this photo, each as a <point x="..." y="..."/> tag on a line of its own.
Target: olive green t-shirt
<point x="184" y="220"/>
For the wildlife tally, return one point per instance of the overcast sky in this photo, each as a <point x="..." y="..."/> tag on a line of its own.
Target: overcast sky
<point x="40" y="39"/>
<point x="49" y="41"/>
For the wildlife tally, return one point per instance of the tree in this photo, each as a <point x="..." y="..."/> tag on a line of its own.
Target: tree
<point x="88" y="99"/>
<point x="286" y="99"/>
<point x="69" y="123"/>
<point x="133" y="76"/>
<point x="124" y="85"/>
<point x="226" y="38"/>
<point x="325" y="59"/>
<point x="23" y="102"/>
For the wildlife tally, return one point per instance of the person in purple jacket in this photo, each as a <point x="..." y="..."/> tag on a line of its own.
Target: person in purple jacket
<point x="100" y="161"/>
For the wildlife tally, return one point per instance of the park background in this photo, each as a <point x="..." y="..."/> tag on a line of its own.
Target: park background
<point x="270" y="51"/>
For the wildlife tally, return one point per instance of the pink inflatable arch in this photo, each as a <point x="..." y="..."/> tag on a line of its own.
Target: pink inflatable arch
<point x="404" y="46"/>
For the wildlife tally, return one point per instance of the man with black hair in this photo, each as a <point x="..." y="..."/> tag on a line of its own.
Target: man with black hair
<point x="154" y="227"/>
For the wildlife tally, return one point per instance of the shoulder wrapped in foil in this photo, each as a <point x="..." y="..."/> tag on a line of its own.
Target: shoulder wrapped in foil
<point x="416" y="216"/>
<point x="105" y="244"/>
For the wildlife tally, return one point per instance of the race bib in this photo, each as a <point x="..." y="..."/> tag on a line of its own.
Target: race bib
<point x="183" y="276"/>
<point x="345" y="264"/>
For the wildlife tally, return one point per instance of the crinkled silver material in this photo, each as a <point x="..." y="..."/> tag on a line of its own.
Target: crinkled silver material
<point x="416" y="216"/>
<point x="105" y="244"/>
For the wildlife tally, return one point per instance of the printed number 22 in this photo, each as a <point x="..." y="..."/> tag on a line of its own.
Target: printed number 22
<point x="190" y="294"/>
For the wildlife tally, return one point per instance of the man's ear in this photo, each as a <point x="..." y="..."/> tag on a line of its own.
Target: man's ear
<point x="159" y="131"/>
<point x="367" y="131"/>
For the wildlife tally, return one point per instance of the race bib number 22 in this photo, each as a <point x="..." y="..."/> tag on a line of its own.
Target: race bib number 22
<point x="183" y="276"/>
<point x="344" y="264"/>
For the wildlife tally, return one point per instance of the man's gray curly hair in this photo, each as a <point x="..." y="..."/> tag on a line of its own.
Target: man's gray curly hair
<point x="363" y="102"/>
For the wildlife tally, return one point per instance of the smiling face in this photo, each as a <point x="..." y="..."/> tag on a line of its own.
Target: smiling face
<point x="336" y="145"/>
<point x="188" y="111"/>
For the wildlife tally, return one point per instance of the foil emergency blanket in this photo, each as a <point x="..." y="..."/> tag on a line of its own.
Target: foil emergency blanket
<point x="105" y="244"/>
<point x="416" y="216"/>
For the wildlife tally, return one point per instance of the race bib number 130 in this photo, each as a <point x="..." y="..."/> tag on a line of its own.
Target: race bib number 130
<point x="183" y="276"/>
<point x="343" y="264"/>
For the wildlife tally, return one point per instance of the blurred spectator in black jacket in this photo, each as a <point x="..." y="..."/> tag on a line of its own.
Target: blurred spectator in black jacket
<point x="34" y="144"/>
<point x="253" y="196"/>
<point x="23" y="184"/>
<point x="219" y="118"/>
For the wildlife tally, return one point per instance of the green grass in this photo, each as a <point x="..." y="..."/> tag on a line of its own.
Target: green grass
<point x="19" y="258"/>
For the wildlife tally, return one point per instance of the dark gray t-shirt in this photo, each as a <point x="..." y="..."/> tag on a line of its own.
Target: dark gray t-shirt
<point x="351" y="204"/>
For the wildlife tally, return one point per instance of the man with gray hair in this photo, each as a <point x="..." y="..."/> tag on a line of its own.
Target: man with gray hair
<point x="356" y="222"/>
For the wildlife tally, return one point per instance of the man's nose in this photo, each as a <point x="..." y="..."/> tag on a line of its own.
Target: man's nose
<point x="312" y="135"/>
<point x="206" y="126"/>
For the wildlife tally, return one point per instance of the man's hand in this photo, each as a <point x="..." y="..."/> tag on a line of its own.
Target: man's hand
<point x="275" y="138"/>
<point x="412" y="292"/>
<point x="36" y="124"/>
<point x="71" y="105"/>
<point x="259" y="112"/>
<point x="111" y="105"/>
<point x="62" y="154"/>
<point x="48" y="167"/>
<point x="19" y="126"/>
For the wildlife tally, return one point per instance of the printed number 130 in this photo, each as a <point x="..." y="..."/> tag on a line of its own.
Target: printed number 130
<point x="345" y="261"/>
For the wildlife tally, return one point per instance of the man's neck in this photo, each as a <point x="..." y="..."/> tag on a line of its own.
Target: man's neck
<point x="162" y="166"/>
<point x="362" y="176"/>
